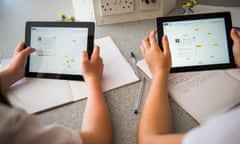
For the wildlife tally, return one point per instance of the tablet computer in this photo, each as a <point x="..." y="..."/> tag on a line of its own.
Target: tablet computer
<point x="199" y="41"/>
<point x="58" y="48"/>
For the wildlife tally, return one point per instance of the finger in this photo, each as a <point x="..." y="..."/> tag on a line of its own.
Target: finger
<point x="152" y="38"/>
<point x="146" y="43"/>
<point x="27" y="51"/>
<point x="235" y="35"/>
<point x="96" y="51"/>
<point x="84" y="57"/>
<point x="20" y="47"/>
<point x="165" y="45"/>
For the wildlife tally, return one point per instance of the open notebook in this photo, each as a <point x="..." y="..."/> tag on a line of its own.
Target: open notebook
<point x="35" y="95"/>
<point x="203" y="94"/>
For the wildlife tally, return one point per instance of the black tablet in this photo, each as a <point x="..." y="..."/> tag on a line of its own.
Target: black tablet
<point x="199" y="41"/>
<point x="58" y="48"/>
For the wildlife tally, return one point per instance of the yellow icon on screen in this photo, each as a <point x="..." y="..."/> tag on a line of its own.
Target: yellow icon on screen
<point x="200" y="62"/>
<point x="74" y="41"/>
<point x="198" y="46"/>
<point x="196" y="29"/>
<point x="188" y="58"/>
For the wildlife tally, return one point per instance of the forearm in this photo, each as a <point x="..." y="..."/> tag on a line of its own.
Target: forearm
<point x="96" y="116"/>
<point x="156" y="116"/>
<point x="6" y="79"/>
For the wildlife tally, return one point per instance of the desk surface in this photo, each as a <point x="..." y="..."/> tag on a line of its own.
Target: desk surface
<point x="121" y="101"/>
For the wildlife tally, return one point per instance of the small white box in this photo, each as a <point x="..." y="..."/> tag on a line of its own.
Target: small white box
<point x="90" y="10"/>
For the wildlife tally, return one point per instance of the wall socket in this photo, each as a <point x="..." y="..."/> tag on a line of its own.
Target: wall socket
<point x="93" y="10"/>
<point x="144" y="6"/>
<point x="112" y="7"/>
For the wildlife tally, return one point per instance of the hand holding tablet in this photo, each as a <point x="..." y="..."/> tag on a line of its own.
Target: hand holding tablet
<point x="58" y="48"/>
<point x="198" y="42"/>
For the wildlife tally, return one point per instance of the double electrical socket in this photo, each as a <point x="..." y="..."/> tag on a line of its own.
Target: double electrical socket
<point x="112" y="7"/>
<point x="118" y="11"/>
<point x="146" y="6"/>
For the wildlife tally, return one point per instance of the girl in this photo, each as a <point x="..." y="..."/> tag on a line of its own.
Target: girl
<point x="17" y="127"/>
<point x="155" y="123"/>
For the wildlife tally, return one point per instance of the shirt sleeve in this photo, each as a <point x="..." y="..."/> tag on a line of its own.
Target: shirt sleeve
<point x="34" y="132"/>
<point x="220" y="129"/>
<point x="28" y="129"/>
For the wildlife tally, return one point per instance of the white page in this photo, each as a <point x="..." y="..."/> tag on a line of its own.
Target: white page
<point x="235" y="73"/>
<point x="117" y="71"/>
<point x="34" y="95"/>
<point x="235" y="11"/>
<point x="202" y="94"/>
<point x="78" y="89"/>
<point x="144" y="67"/>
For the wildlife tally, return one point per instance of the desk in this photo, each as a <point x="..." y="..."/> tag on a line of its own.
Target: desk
<point x="127" y="36"/>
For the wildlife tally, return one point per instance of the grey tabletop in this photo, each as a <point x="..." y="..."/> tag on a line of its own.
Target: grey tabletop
<point x="127" y="36"/>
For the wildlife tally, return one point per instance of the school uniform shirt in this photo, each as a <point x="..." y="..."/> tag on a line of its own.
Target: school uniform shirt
<point x="18" y="127"/>
<point x="222" y="129"/>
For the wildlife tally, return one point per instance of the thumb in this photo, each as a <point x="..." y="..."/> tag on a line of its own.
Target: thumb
<point x="165" y="44"/>
<point x="96" y="51"/>
<point x="84" y="57"/>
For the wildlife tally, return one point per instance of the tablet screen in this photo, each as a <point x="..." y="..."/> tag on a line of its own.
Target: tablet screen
<point x="198" y="41"/>
<point x="58" y="49"/>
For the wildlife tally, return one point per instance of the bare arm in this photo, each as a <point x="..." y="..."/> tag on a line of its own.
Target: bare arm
<point x="16" y="69"/>
<point x="96" y="127"/>
<point x="155" y="124"/>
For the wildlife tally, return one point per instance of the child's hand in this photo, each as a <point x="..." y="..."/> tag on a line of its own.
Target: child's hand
<point x="93" y="68"/>
<point x="158" y="61"/>
<point x="17" y="66"/>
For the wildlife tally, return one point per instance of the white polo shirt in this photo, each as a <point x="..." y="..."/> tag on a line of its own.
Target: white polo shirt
<point x="221" y="129"/>
<point x="18" y="127"/>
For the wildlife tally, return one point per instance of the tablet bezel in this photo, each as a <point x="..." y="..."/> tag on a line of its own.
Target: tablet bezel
<point x="90" y="43"/>
<point x="228" y="26"/>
